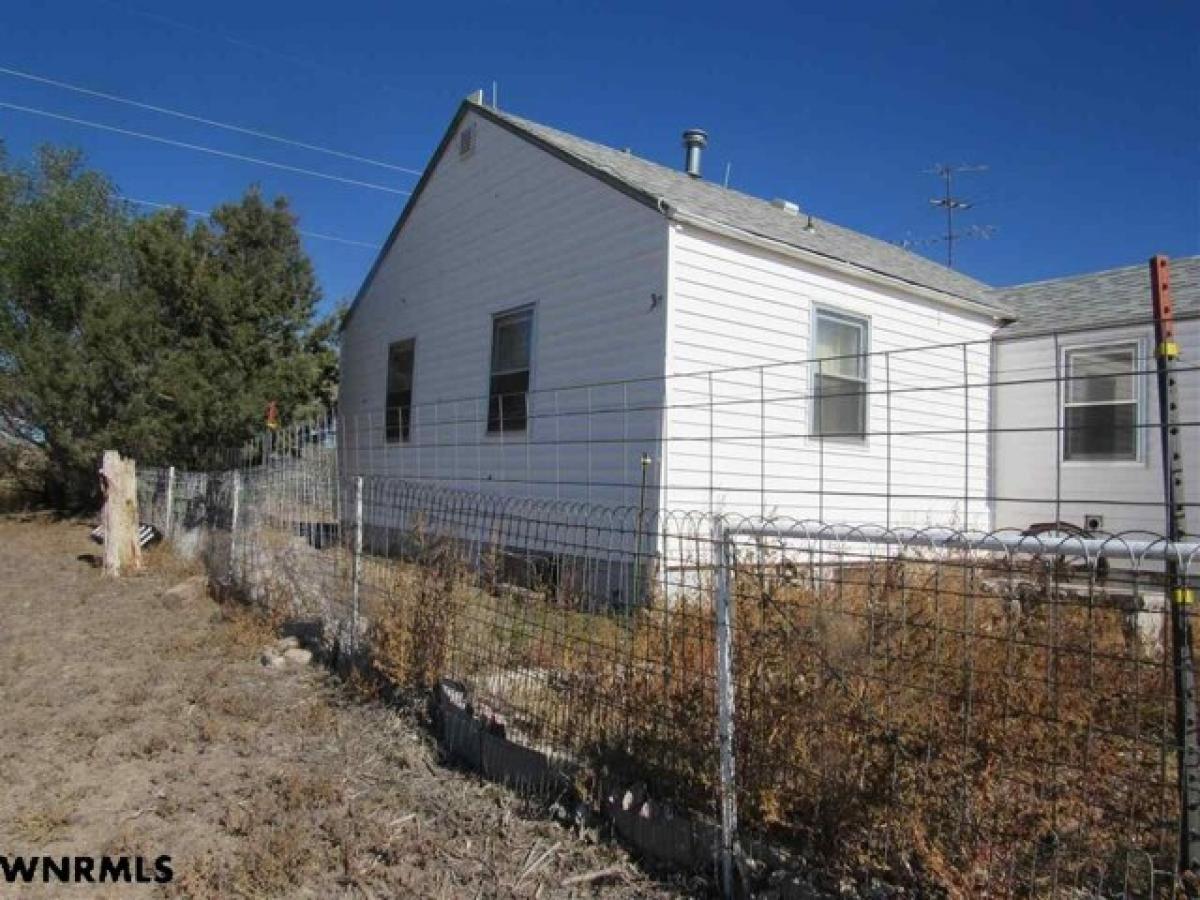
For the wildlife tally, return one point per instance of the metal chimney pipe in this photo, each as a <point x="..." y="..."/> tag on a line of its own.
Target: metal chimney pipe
<point x="694" y="140"/>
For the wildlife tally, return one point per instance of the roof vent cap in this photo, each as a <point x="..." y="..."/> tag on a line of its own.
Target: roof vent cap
<point x="694" y="140"/>
<point x="792" y="209"/>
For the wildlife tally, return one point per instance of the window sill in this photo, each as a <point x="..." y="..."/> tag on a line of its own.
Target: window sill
<point x="1106" y="463"/>
<point x="845" y="443"/>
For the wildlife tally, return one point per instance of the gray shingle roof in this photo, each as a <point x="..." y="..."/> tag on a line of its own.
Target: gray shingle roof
<point x="1098" y="299"/>
<point x="750" y="214"/>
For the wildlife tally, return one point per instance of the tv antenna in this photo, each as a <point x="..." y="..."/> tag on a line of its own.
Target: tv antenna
<point x="952" y="204"/>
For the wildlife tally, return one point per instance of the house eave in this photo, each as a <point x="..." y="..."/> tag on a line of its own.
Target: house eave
<point x="834" y="264"/>
<point x="489" y="116"/>
<point x="1102" y="325"/>
<point x="672" y="213"/>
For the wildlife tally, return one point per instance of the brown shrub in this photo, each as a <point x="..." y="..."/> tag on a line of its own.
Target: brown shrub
<point x="899" y="717"/>
<point x="412" y="618"/>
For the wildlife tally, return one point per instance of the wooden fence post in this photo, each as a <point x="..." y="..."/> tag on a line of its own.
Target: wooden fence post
<point x="233" y="522"/>
<point x="356" y="586"/>
<point x="119" y="518"/>
<point x="170" y="502"/>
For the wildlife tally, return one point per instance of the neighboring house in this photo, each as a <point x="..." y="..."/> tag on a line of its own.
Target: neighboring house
<point x="1076" y="405"/>
<point x="529" y="261"/>
<point x="548" y="310"/>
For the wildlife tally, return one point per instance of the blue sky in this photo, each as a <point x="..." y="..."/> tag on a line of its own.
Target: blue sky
<point x="1087" y="114"/>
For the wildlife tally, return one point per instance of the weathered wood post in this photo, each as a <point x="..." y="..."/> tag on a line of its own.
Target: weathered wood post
<point x="356" y="574"/>
<point x="170" y="502"/>
<point x="119" y="518"/>
<point x="233" y="522"/>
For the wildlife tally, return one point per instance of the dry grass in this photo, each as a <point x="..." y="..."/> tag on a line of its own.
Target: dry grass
<point x="414" y="618"/>
<point x="897" y="719"/>
<point x="42" y="824"/>
<point x="148" y="730"/>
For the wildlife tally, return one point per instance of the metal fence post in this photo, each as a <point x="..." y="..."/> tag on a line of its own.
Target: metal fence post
<point x="723" y="596"/>
<point x="1187" y="736"/>
<point x="356" y="575"/>
<point x="170" y="502"/>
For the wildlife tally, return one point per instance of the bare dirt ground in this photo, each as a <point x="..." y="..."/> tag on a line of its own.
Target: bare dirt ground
<point x="133" y="728"/>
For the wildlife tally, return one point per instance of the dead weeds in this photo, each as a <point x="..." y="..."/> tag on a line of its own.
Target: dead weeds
<point x="42" y="824"/>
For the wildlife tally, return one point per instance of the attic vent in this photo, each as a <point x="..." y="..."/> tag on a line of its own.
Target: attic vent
<point x="466" y="142"/>
<point x="792" y="209"/>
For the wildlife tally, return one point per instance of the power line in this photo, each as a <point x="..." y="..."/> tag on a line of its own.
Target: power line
<point x="204" y="215"/>
<point x="115" y="98"/>
<point x="201" y="148"/>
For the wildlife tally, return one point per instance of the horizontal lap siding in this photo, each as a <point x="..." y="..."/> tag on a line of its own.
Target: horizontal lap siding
<point x="1030" y="477"/>
<point x="511" y="225"/>
<point x="748" y="450"/>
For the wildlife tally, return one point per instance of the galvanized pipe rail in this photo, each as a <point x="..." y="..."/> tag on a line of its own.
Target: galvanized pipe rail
<point x="1135" y="550"/>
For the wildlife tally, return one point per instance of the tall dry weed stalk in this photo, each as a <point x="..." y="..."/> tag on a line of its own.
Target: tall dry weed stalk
<point x="413" y="618"/>
<point x="900" y="717"/>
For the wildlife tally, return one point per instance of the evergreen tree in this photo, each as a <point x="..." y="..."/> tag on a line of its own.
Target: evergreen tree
<point x="148" y="335"/>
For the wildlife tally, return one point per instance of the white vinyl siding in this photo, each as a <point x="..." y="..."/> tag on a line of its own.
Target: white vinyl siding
<point x="751" y="311"/>
<point x="505" y="227"/>
<point x="1033" y="481"/>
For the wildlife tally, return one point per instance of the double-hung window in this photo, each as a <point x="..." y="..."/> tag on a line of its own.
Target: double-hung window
<point x="839" y="376"/>
<point x="508" y="386"/>
<point x="1100" y="403"/>
<point x="398" y="407"/>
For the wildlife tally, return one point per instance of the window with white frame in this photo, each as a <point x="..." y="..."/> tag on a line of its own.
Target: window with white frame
<point x="508" y="386"/>
<point x="398" y="407"/>
<point x="839" y="376"/>
<point x="1100" y="403"/>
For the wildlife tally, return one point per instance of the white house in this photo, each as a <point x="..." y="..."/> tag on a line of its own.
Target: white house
<point x="1076" y="401"/>
<point x="552" y="318"/>
<point x="547" y="310"/>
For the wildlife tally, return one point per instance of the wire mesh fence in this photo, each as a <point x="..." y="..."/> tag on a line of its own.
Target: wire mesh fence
<point x="971" y="713"/>
<point x="978" y="434"/>
<point x="641" y="595"/>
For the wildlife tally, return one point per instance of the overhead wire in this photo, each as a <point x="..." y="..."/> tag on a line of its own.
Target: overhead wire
<point x="31" y="110"/>
<point x="203" y="215"/>
<point x="164" y="110"/>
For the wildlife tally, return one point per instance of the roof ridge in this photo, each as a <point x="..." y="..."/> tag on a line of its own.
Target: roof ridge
<point x="1093" y="274"/>
<point x="952" y="282"/>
